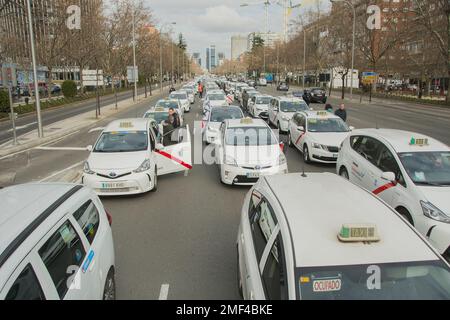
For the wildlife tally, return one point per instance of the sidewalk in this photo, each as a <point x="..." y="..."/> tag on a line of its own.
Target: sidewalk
<point x="68" y="126"/>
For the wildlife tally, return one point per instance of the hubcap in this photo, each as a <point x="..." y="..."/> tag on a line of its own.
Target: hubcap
<point x="110" y="291"/>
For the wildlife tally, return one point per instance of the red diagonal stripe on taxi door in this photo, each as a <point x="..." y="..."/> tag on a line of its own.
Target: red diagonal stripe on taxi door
<point x="167" y="155"/>
<point x="383" y="188"/>
<point x="301" y="136"/>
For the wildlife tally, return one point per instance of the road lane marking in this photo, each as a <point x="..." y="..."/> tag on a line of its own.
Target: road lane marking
<point x="23" y="127"/>
<point x="61" y="148"/>
<point x="62" y="171"/>
<point x="164" y="293"/>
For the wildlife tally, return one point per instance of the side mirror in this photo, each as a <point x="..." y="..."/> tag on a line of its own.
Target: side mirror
<point x="159" y="146"/>
<point x="388" y="176"/>
<point x="89" y="148"/>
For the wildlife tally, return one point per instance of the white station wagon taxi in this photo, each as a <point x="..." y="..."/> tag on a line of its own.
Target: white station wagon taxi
<point x="56" y="243"/>
<point x="410" y="171"/>
<point x="248" y="149"/>
<point x="130" y="154"/>
<point x="318" y="135"/>
<point x="282" y="109"/>
<point x="296" y="243"/>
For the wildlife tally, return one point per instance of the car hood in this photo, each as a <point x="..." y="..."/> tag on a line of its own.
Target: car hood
<point x="438" y="196"/>
<point x="217" y="103"/>
<point x="332" y="139"/>
<point x="117" y="161"/>
<point x="262" y="106"/>
<point x="254" y="155"/>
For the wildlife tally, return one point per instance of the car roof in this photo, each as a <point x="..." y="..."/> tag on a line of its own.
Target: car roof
<point x="400" y="140"/>
<point x="319" y="114"/>
<point x="23" y="204"/>
<point x="288" y="98"/>
<point x="315" y="208"/>
<point x="178" y="92"/>
<point x="132" y="124"/>
<point x="246" y="122"/>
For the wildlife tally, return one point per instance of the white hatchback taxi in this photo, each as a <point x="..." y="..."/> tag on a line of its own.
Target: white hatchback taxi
<point x="130" y="154"/>
<point x="282" y="109"/>
<point x="318" y="135"/>
<point x="410" y="171"/>
<point x="317" y="236"/>
<point x="56" y="243"/>
<point x="248" y="149"/>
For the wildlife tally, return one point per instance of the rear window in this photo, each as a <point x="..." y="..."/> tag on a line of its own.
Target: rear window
<point x="89" y="220"/>
<point x="26" y="287"/>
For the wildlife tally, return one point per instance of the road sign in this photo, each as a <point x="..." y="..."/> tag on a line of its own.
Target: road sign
<point x="130" y="76"/>
<point x="369" y="77"/>
<point x="90" y="78"/>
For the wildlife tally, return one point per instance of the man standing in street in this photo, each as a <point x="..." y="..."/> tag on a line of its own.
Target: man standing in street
<point x="341" y="112"/>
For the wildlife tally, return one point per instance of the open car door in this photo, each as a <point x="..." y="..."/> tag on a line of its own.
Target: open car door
<point x="174" y="152"/>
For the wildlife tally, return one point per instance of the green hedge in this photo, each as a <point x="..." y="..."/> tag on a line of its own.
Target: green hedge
<point x="4" y="101"/>
<point x="69" y="89"/>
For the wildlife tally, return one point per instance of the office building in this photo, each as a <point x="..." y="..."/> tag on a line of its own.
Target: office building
<point x="239" y="45"/>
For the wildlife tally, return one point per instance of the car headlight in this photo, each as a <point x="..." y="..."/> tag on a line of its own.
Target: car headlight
<point x="145" y="166"/>
<point x="230" y="161"/>
<point x="430" y="211"/>
<point x="282" y="160"/>
<point x="87" y="169"/>
<point x="317" y="145"/>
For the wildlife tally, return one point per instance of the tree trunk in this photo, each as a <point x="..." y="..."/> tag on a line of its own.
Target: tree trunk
<point x="49" y="87"/>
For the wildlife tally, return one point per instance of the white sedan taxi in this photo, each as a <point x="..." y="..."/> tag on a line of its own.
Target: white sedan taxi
<point x="183" y="97"/>
<point x="213" y="119"/>
<point x="248" y="149"/>
<point x="318" y="135"/>
<point x="410" y="171"/>
<point x="301" y="237"/>
<point x="160" y="115"/>
<point x="130" y="154"/>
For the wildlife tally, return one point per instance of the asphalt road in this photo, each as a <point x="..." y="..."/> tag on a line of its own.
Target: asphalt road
<point x="184" y="234"/>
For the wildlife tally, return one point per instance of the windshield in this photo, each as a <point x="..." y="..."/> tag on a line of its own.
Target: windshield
<point x="157" y="116"/>
<point x="180" y="96"/>
<point x="216" y="97"/>
<point x="396" y="281"/>
<point x="265" y="100"/>
<point x="293" y="106"/>
<point x="327" y="125"/>
<point x="251" y="136"/>
<point x="427" y="168"/>
<point x="222" y="114"/>
<point x="167" y="104"/>
<point x="129" y="141"/>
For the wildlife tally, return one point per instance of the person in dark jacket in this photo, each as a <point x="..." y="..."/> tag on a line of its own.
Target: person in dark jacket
<point x="341" y="112"/>
<point x="245" y="97"/>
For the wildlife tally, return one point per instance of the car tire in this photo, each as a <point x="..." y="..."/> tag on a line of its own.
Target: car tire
<point x="290" y="143"/>
<point x="405" y="214"/>
<point x="155" y="187"/>
<point x="344" y="173"/>
<point x="306" y="156"/>
<point x="238" y="273"/>
<point x="109" y="291"/>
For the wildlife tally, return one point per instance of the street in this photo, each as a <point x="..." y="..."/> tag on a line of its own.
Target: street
<point x="184" y="235"/>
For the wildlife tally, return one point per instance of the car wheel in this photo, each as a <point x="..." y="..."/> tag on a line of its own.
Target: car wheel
<point x="306" y="157"/>
<point x="290" y="143"/>
<point x="344" y="173"/>
<point x="405" y="214"/>
<point x="109" y="293"/>
<point x="155" y="187"/>
<point x="239" y="281"/>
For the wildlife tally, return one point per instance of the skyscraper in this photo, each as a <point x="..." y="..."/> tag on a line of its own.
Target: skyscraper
<point x="238" y="46"/>
<point x="213" y="57"/>
<point x="208" y="61"/>
<point x="197" y="59"/>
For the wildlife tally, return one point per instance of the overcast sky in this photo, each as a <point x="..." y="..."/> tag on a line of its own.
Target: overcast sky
<point x="207" y="22"/>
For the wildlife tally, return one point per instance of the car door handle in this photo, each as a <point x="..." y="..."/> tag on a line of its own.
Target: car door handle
<point x="355" y="164"/>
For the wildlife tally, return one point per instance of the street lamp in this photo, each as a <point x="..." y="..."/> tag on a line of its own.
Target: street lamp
<point x="353" y="41"/>
<point x="160" y="52"/>
<point x="36" y="86"/>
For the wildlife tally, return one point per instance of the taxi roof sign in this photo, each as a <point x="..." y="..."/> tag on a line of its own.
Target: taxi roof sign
<point x="418" y="142"/>
<point x="323" y="113"/>
<point x="159" y="109"/>
<point x="247" y="121"/>
<point x="358" y="233"/>
<point x="127" y="124"/>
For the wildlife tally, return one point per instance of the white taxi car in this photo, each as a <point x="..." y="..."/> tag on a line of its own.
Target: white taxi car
<point x="160" y="115"/>
<point x="190" y="93"/>
<point x="302" y="237"/>
<point x="182" y="96"/>
<point x="318" y="135"/>
<point x="214" y="118"/>
<point x="170" y="103"/>
<point x="410" y="171"/>
<point x="215" y="98"/>
<point x="130" y="154"/>
<point x="282" y="109"/>
<point x="258" y="106"/>
<point x="248" y="149"/>
<point x="56" y="243"/>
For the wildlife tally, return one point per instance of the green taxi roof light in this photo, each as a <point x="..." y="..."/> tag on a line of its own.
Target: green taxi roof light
<point x="358" y="233"/>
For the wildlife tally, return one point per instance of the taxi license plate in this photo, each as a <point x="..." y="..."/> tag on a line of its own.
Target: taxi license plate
<point x="253" y="175"/>
<point x="113" y="185"/>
